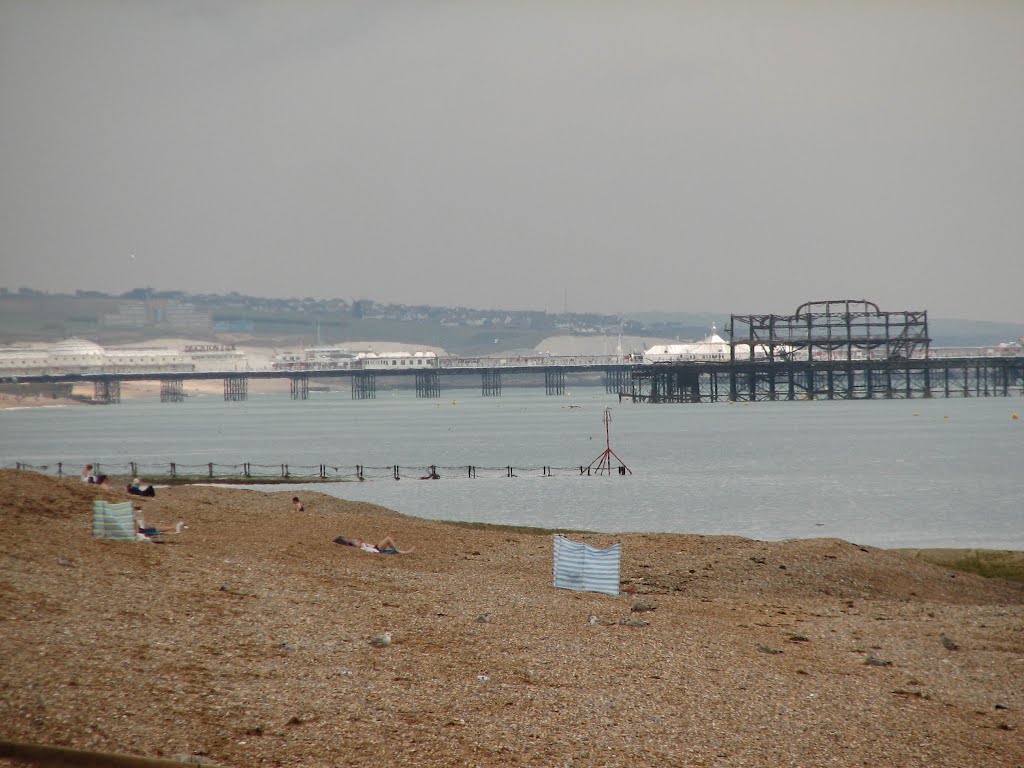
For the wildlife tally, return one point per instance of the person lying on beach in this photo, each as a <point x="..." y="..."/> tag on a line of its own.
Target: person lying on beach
<point x="386" y="546"/>
<point x="146" y="531"/>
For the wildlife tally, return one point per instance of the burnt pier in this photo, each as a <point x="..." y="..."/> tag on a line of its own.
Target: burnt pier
<point x="832" y="350"/>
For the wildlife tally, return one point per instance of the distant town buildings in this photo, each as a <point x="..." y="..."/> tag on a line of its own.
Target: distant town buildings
<point x="158" y="313"/>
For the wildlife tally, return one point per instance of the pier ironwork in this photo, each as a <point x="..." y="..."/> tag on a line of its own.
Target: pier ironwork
<point x="843" y="329"/>
<point x="299" y="386"/>
<point x="618" y="379"/>
<point x="172" y="390"/>
<point x="236" y="388"/>
<point x="364" y="385"/>
<point x="554" y="381"/>
<point x="760" y="380"/>
<point x="428" y="384"/>
<point x="106" y="391"/>
<point x="490" y="385"/>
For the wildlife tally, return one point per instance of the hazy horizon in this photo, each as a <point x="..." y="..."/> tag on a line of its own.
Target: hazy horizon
<point x="604" y="157"/>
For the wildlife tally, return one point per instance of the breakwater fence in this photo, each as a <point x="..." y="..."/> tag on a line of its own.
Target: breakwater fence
<point x="175" y="472"/>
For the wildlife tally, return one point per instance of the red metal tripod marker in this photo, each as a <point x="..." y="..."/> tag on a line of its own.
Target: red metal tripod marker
<point x="604" y="461"/>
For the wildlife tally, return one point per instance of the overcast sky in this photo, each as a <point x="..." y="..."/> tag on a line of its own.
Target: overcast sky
<point x="601" y="156"/>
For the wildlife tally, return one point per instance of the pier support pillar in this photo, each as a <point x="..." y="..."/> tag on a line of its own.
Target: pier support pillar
<point x="491" y="386"/>
<point x="172" y="390"/>
<point x="107" y="391"/>
<point x="300" y="386"/>
<point x="364" y="385"/>
<point x="236" y="388"/>
<point x="617" y="379"/>
<point x="428" y="384"/>
<point x="554" y="381"/>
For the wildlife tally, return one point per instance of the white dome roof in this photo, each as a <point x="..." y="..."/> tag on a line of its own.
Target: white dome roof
<point x="77" y="347"/>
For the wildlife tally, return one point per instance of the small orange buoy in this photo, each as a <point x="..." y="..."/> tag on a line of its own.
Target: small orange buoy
<point x="945" y="417"/>
<point x="916" y="413"/>
<point x="1015" y="416"/>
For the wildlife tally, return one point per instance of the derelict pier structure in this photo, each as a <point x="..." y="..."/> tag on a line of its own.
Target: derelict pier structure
<point x="835" y="350"/>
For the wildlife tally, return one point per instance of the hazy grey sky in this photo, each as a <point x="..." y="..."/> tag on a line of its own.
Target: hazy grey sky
<point x="686" y="155"/>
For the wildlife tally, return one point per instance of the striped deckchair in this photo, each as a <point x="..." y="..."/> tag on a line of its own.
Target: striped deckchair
<point x="113" y="521"/>
<point x="586" y="568"/>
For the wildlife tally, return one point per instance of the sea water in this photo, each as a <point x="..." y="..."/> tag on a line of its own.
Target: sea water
<point x="889" y="473"/>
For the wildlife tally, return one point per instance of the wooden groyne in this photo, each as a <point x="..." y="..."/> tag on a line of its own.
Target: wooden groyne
<point x="248" y="472"/>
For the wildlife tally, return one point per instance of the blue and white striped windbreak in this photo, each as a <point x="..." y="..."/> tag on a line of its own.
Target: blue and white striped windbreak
<point x="113" y="521"/>
<point x="586" y="568"/>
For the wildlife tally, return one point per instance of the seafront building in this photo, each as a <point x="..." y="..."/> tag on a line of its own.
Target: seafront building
<point x="333" y="358"/>
<point x="82" y="356"/>
<point x="714" y="348"/>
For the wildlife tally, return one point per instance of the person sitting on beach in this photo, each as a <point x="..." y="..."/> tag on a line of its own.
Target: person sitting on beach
<point x="297" y="505"/>
<point x="386" y="546"/>
<point x="136" y="489"/>
<point x="90" y="476"/>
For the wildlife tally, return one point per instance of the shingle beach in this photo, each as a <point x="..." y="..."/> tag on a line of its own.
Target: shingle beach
<point x="246" y="641"/>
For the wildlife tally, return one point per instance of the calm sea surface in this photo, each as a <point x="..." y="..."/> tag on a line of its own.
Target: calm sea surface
<point x="897" y="473"/>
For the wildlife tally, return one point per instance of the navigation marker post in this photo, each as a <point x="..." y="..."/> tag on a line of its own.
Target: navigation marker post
<point x="603" y="463"/>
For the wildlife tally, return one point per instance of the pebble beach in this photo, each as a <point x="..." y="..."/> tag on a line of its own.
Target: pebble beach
<point x="253" y="639"/>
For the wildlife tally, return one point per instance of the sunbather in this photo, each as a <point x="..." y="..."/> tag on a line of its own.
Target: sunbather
<point x="386" y="546"/>
<point x="147" y="531"/>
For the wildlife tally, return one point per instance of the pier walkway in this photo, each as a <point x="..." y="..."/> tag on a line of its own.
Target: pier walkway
<point x="631" y="379"/>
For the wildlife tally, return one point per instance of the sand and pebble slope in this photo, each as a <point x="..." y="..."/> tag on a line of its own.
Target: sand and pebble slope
<point x="246" y="641"/>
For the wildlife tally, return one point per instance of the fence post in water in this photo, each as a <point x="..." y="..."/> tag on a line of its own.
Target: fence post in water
<point x="134" y="468"/>
<point x="284" y="470"/>
<point x="396" y="472"/>
<point x="60" y="469"/>
<point x="323" y="471"/>
<point x="245" y="469"/>
<point x="174" y="469"/>
<point x="209" y="469"/>
<point x="359" y="471"/>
